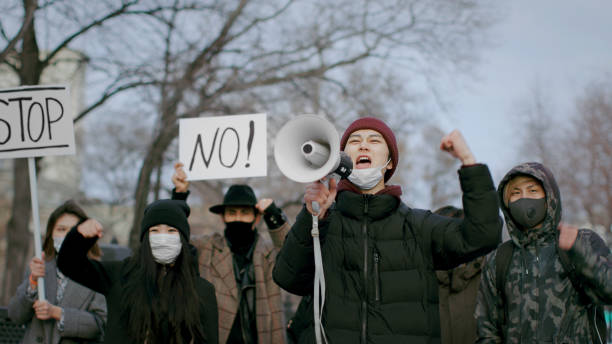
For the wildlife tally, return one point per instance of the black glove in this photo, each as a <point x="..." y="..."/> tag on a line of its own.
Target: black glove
<point x="274" y="216"/>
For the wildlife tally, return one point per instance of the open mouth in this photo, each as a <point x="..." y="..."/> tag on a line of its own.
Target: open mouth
<point x="363" y="161"/>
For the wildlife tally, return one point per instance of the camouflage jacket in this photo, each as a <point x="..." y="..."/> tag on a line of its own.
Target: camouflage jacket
<point x="541" y="303"/>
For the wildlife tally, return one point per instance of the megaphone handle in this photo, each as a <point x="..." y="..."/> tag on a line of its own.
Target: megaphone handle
<point x="316" y="208"/>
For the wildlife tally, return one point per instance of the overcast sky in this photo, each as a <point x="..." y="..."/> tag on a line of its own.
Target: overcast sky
<point x="561" y="45"/>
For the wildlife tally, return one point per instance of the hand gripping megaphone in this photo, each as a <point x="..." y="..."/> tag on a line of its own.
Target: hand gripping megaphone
<point x="307" y="149"/>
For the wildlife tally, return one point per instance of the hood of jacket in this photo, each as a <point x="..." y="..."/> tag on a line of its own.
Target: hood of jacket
<point x="553" y="204"/>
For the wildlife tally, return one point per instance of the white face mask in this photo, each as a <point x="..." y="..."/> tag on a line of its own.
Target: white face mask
<point x="165" y="247"/>
<point x="57" y="242"/>
<point x="367" y="178"/>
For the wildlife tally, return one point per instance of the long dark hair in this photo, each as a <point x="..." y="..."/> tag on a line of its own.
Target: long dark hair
<point x="68" y="207"/>
<point x="160" y="302"/>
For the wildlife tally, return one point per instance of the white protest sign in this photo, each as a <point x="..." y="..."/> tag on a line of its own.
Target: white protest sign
<point x="222" y="147"/>
<point x="35" y="121"/>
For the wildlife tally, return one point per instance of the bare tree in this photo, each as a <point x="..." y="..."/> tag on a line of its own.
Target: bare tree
<point x="63" y="25"/>
<point x="538" y="128"/>
<point x="108" y="154"/>
<point x="579" y="152"/>
<point x="438" y="171"/>
<point x="249" y="47"/>
<point x="587" y="173"/>
<point x="11" y="42"/>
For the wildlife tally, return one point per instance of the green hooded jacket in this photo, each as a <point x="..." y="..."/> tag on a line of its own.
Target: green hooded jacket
<point x="542" y="305"/>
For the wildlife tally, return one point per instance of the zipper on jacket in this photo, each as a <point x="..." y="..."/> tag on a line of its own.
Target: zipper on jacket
<point x="364" y="302"/>
<point x="377" y="276"/>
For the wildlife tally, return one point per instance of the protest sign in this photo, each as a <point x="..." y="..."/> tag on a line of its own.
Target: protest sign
<point x="35" y="121"/>
<point x="223" y="146"/>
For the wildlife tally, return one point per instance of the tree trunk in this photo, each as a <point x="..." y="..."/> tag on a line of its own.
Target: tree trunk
<point x="153" y="158"/>
<point x="158" y="182"/>
<point x="17" y="229"/>
<point x="17" y="233"/>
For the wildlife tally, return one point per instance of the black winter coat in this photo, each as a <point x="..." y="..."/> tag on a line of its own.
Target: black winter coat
<point x="106" y="278"/>
<point x="379" y="261"/>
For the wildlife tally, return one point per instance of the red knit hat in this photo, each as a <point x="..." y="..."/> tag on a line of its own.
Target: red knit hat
<point x="379" y="126"/>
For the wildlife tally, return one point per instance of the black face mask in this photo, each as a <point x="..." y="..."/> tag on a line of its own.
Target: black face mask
<point x="528" y="212"/>
<point x="240" y="235"/>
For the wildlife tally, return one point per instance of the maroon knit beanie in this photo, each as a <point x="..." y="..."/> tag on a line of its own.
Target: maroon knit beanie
<point x="383" y="129"/>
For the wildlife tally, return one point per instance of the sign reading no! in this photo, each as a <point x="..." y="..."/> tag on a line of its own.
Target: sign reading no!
<point x="222" y="147"/>
<point x="35" y="121"/>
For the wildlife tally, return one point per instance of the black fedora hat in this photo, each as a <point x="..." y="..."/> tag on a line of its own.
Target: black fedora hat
<point x="236" y="195"/>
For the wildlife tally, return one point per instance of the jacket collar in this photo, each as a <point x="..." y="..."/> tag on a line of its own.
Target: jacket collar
<point x="360" y="206"/>
<point x="393" y="190"/>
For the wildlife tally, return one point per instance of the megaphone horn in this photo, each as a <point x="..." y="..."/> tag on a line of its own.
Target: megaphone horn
<point x="307" y="148"/>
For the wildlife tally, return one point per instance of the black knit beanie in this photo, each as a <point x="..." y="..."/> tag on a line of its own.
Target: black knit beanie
<point x="169" y="212"/>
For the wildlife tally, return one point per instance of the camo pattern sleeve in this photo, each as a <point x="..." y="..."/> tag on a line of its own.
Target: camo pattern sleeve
<point x="591" y="258"/>
<point x="487" y="312"/>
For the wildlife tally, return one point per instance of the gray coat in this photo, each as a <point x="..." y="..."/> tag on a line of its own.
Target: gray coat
<point x="84" y="312"/>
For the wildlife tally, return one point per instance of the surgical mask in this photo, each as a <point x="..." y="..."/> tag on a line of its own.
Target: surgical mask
<point x="367" y="178"/>
<point x="57" y="242"/>
<point x="528" y="212"/>
<point x="165" y="247"/>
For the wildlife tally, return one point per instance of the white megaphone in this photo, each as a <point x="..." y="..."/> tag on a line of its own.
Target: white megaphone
<point x="307" y="149"/>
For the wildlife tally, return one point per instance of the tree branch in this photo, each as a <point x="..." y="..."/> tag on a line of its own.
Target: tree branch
<point x="82" y="30"/>
<point x="27" y="21"/>
<point x="109" y="93"/>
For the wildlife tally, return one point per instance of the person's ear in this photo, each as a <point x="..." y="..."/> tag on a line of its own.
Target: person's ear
<point x="257" y="219"/>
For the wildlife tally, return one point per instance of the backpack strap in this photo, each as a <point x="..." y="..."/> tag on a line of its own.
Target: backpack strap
<point x="502" y="263"/>
<point x="570" y="270"/>
<point x="597" y="321"/>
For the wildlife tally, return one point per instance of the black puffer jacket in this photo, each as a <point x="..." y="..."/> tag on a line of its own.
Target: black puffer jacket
<point x="379" y="260"/>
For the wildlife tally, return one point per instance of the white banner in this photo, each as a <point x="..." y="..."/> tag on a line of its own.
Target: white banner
<point x="35" y="121"/>
<point x="223" y="146"/>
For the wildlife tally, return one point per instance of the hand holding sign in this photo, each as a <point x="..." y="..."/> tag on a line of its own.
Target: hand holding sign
<point x="45" y="311"/>
<point x="223" y="146"/>
<point x="35" y="121"/>
<point x="37" y="268"/>
<point x="263" y="204"/>
<point x="179" y="178"/>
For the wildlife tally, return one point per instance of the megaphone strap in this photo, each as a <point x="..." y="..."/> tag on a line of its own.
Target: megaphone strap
<point x="319" y="284"/>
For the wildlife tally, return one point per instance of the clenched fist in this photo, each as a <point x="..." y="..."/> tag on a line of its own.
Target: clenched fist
<point x="37" y="267"/>
<point x="90" y="228"/>
<point x="179" y="178"/>
<point x="455" y="145"/>
<point x="44" y="310"/>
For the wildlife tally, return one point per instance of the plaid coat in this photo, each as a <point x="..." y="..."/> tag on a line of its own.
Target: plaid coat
<point x="215" y="261"/>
